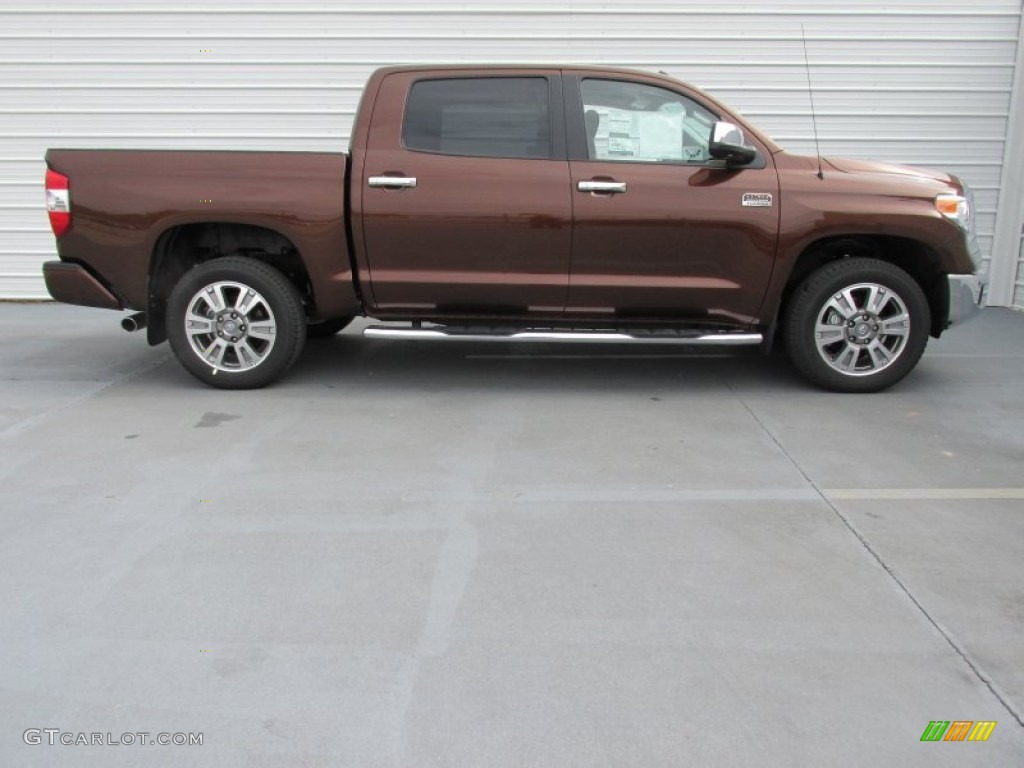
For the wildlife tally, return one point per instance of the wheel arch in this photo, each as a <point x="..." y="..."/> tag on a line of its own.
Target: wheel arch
<point x="915" y="258"/>
<point x="182" y="246"/>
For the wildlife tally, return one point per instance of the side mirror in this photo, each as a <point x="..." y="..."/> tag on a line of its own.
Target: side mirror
<point x="727" y="144"/>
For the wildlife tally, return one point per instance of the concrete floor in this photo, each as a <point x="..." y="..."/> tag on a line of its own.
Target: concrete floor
<point x="419" y="555"/>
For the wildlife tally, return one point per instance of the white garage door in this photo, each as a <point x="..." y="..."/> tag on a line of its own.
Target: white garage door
<point x="1018" y="300"/>
<point x="926" y="82"/>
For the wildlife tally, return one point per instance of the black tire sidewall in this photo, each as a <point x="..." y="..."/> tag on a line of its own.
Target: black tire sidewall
<point x="811" y="296"/>
<point x="284" y="302"/>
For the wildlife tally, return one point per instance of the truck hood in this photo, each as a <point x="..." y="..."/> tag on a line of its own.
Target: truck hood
<point x="845" y="165"/>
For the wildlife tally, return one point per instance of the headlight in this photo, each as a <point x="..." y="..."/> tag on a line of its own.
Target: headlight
<point x="971" y="220"/>
<point x="957" y="208"/>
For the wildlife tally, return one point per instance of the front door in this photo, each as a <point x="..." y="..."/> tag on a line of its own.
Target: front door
<point x="466" y="203"/>
<point x="659" y="230"/>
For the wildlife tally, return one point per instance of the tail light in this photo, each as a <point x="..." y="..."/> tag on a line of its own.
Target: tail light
<point x="58" y="202"/>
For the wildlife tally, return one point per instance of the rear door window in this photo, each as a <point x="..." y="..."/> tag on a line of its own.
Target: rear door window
<point x="480" y="117"/>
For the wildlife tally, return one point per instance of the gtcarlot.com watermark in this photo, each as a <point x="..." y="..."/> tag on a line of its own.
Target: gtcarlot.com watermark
<point x="57" y="737"/>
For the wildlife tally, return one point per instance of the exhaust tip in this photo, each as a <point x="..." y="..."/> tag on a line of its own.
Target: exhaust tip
<point x="134" y="322"/>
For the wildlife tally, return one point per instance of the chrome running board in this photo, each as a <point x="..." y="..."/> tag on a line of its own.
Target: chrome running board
<point x="444" y="333"/>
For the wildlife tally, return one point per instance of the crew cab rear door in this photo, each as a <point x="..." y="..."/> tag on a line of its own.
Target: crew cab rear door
<point x="660" y="232"/>
<point x="464" y="201"/>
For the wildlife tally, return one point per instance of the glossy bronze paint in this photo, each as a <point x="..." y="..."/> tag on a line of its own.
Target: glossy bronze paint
<point x="677" y="245"/>
<point x="477" y="237"/>
<point x="72" y="284"/>
<point x="493" y="238"/>
<point x="875" y="200"/>
<point x="123" y="201"/>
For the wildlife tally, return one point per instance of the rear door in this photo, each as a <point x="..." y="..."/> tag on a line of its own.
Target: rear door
<point x="660" y="231"/>
<point x="465" y="199"/>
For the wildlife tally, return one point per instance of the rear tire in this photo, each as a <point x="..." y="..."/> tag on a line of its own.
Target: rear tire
<point x="235" y="323"/>
<point x="857" y="325"/>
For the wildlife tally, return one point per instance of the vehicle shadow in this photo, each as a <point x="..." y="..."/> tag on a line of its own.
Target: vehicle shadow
<point x="351" y="361"/>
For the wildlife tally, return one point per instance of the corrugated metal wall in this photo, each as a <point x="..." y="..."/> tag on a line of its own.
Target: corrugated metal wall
<point x="925" y="82"/>
<point x="1018" y="295"/>
<point x="1018" y="298"/>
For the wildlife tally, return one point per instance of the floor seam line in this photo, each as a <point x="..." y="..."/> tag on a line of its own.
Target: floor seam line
<point x="945" y="633"/>
<point x="28" y="422"/>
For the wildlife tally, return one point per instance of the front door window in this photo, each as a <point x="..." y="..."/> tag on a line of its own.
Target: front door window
<point x="640" y="123"/>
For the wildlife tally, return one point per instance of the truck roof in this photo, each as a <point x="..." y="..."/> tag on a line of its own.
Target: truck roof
<point x="475" y="67"/>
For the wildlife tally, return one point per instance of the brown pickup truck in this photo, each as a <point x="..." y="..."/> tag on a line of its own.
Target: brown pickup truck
<point x="520" y="204"/>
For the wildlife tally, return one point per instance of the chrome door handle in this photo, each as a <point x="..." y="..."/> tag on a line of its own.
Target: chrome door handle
<point x="601" y="186"/>
<point x="392" y="182"/>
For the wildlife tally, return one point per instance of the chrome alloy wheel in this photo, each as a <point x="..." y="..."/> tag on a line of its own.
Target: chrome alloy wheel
<point x="862" y="330"/>
<point x="230" y="326"/>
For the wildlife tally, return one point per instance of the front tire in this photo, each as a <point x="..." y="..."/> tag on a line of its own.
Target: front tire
<point x="235" y="323"/>
<point x="857" y="325"/>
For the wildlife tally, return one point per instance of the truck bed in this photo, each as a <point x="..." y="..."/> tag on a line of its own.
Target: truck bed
<point x="126" y="202"/>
